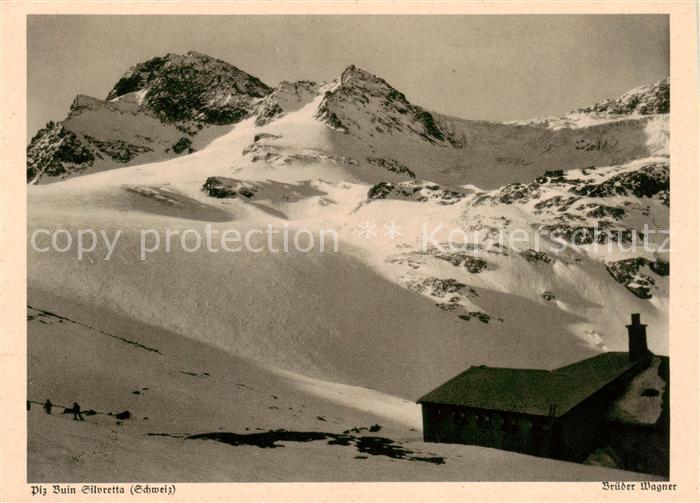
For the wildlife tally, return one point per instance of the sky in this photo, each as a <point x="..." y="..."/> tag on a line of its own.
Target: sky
<point x="476" y="67"/>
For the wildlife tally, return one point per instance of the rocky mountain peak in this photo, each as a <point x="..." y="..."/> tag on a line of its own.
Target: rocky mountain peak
<point x="644" y="100"/>
<point x="159" y="107"/>
<point x="154" y="111"/>
<point x="142" y="74"/>
<point x="354" y="72"/>
<point x="368" y="104"/>
<point x="191" y="87"/>
<point x="354" y="79"/>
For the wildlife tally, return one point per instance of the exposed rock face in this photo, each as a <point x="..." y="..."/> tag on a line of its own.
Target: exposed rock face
<point x="628" y="273"/>
<point x="535" y="256"/>
<point x="452" y="295"/>
<point x="647" y="181"/>
<point x="287" y="97"/>
<point x="391" y="165"/>
<point x="363" y="102"/>
<point x="192" y="87"/>
<point x="145" y="116"/>
<point x="118" y="150"/>
<point x="182" y="144"/>
<point x="110" y="135"/>
<point x="603" y="212"/>
<point x="458" y="258"/>
<point x="582" y="234"/>
<point x="228" y="188"/>
<point x="438" y="287"/>
<point x="415" y="190"/>
<point x="482" y="317"/>
<point x="650" y="99"/>
<point x="55" y="151"/>
<point x="518" y="191"/>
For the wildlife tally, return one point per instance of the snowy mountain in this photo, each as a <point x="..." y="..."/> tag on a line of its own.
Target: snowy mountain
<point x="174" y="105"/>
<point x="459" y="243"/>
<point x="159" y="109"/>
<point x="376" y="130"/>
<point x="361" y="98"/>
<point x="650" y="99"/>
<point x="191" y="88"/>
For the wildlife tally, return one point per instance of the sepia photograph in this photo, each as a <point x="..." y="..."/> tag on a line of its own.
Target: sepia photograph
<point x="348" y="248"/>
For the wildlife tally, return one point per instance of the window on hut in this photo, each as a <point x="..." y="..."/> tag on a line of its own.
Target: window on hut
<point x="483" y="419"/>
<point x="509" y="423"/>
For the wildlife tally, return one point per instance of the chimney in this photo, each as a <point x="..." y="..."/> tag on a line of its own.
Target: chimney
<point x="637" y="333"/>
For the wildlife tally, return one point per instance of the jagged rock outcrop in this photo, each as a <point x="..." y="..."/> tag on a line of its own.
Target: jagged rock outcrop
<point x="415" y="190"/>
<point x="108" y="134"/>
<point x="182" y="144"/>
<point x="629" y="273"/>
<point x="192" y="87"/>
<point x="55" y="151"/>
<point x="650" y="99"/>
<point x="647" y="181"/>
<point x="598" y="208"/>
<point x="391" y="165"/>
<point x="228" y="188"/>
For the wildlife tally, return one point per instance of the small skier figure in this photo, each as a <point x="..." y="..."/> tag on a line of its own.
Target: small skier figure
<point x="48" y="406"/>
<point x="76" y="412"/>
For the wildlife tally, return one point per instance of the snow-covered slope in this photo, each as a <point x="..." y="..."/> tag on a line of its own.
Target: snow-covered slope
<point x="287" y="97"/>
<point x="459" y="243"/>
<point x="585" y="291"/>
<point x="289" y="427"/>
<point x="378" y="135"/>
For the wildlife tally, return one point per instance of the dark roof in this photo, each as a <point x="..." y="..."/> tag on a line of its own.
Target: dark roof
<point x="531" y="391"/>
